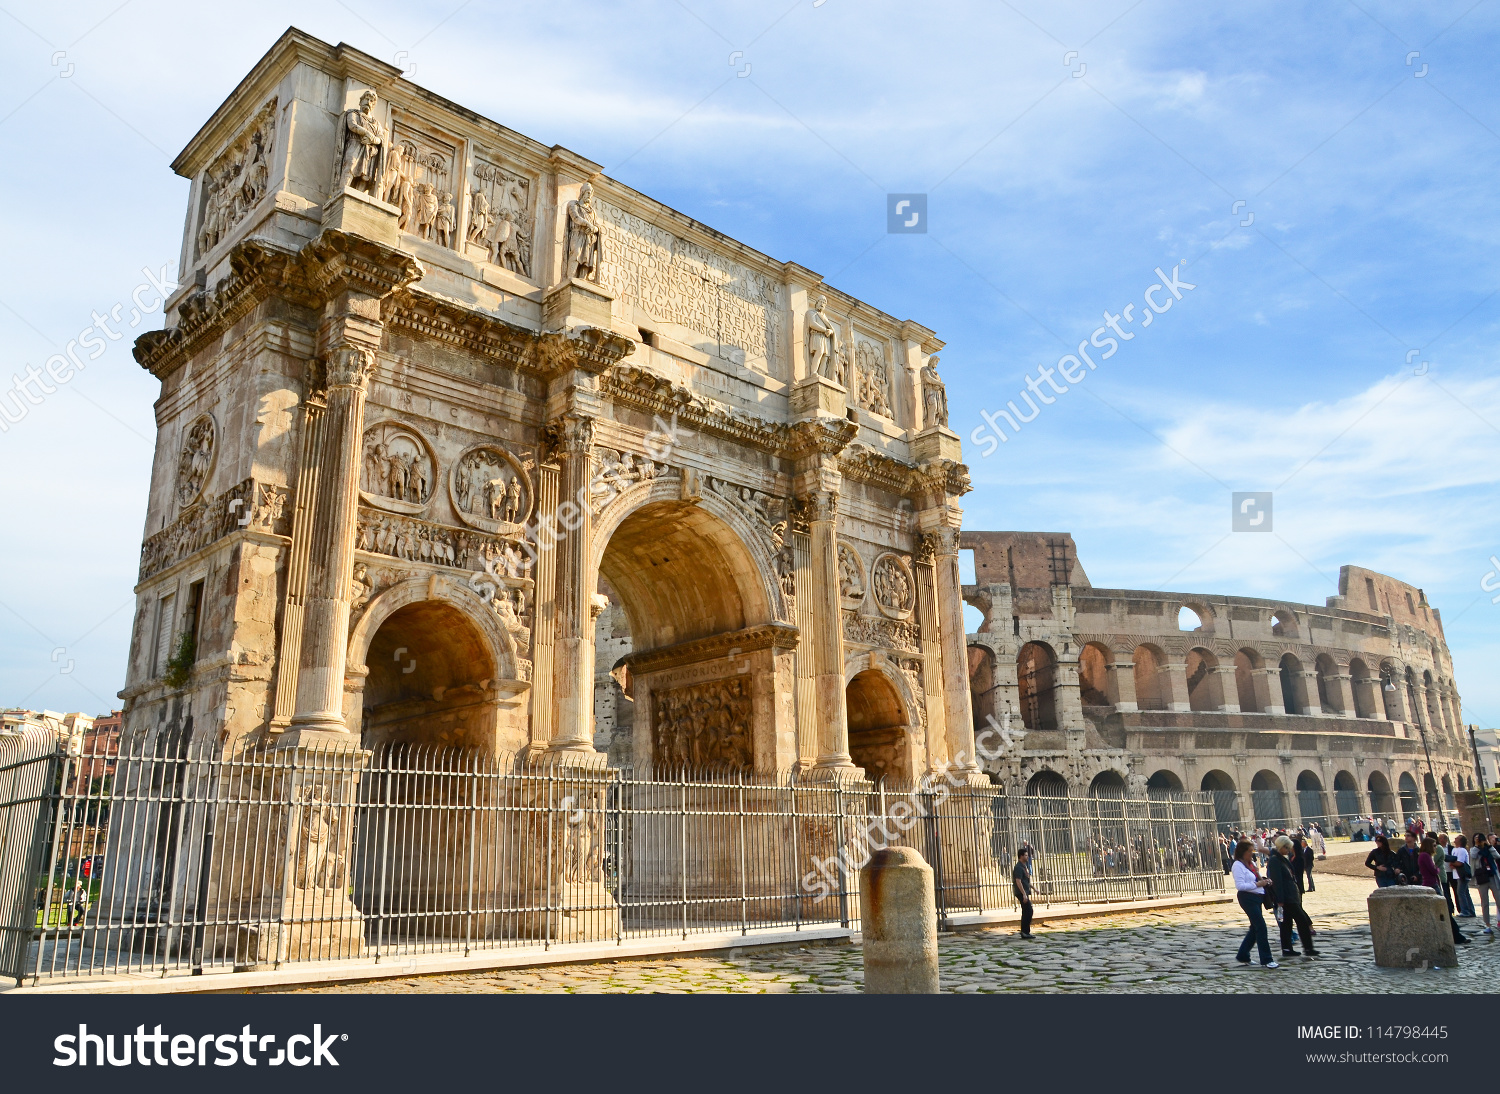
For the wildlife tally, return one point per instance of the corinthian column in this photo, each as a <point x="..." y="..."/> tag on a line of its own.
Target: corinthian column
<point x="573" y="668"/>
<point x="325" y="628"/>
<point x="828" y="636"/>
<point x="955" y="652"/>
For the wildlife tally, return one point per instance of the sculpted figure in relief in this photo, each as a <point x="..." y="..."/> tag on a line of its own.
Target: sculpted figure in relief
<point x="822" y="343"/>
<point x="851" y="581"/>
<point x="444" y="220"/>
<point x="583" y="237"/>
<point x="362" y="149"/>
<point x="934" y="396"/>
<point x="479" y="219"/>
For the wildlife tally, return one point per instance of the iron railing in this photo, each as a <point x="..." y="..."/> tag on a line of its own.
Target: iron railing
<point x="189" y="860"/>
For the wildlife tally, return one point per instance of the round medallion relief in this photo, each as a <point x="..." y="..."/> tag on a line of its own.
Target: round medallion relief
<point x="851" y="577"/>
<point x="195" y="461"/>
<point x="894" y="588"/>
<point x="398" y="472"/>
<point x="490" y="490"/>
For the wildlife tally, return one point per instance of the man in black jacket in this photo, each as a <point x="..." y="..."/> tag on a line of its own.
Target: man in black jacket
<point x="1289" y="897"/>
<point x="1408" y="869"/>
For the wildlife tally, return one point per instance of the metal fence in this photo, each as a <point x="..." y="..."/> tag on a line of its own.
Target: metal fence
<point x="171" y="858"/>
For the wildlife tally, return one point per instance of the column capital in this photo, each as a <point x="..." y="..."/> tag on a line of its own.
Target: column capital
<point x="349" y="365"/>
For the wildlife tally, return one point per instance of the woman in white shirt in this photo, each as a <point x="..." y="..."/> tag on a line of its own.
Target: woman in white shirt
<point x="1250" y="889"/>
<point x="1459" y="873"/>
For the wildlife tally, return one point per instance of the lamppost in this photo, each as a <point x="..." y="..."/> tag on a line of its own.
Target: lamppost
<point x="1431" y="774"/>
<point x="1484" y="794"/>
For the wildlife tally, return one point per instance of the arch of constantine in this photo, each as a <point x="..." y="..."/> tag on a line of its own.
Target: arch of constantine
<point x="460" y="440"/>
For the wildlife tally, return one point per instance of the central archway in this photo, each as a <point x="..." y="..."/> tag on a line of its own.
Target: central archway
<point x="695" y="639"/>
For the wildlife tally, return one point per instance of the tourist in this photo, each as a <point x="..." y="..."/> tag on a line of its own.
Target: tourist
<point x="1485" y="863"/>
<point x="1459" y="874"/>
<point x="79" y="900"/>
<point x="1382" y="860"/>
<point x="1021" y="879"/>
<point x="1299" y="864"/>
<point x="1315" y="837"/>
<point x="1250" y="890"/>
<point x="1431" y="876"/>
<point x="1288" y="894"/>
<point x="1408" y="871"/>
<point x="1440" y="855"/>
<point x="1308" y="858"/>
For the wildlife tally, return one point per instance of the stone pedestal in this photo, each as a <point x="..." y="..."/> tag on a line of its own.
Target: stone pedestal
<point x="937" y="443"/>
<point x="286" y="844"/>
<point x="818" y="396"/>
<point x="576" y="303"/>
<point x="356" y="213"/>
<point x="1409" y="928"/>
<point x="898" y="915"/>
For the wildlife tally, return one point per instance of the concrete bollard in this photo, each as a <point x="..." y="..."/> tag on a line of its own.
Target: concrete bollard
<point x="898" y="914"/>
<point x="1409" y="928"/>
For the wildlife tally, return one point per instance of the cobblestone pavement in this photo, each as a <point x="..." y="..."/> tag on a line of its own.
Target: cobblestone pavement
<point x="1176" y="951"/>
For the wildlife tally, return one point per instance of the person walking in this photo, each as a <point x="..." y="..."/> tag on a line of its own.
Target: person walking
<point x="1485" y="863"/>
<point x="1440" y="856"/>
<point x="1250" y="891"/>
<point x="1382" y="862"/>
<point x="1020" y="878"/>
<point x="1460" y="873"/>
<point x="1319" y="845"/>
<point x="1308" y="858"/>
<point x="1431" y="875"/>
<point x="79" y="899"/>
<point x="1289" y="900"/>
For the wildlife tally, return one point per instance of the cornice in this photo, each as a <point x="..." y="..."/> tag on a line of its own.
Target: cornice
<point x="781" y="636"/>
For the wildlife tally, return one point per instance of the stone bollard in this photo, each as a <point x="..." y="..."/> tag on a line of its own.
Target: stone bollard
<point x="1410" y="930"/>
<point x="898" y="914"/>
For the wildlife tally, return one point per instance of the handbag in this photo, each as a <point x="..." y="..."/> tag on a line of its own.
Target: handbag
<point x="1464" y="872"/>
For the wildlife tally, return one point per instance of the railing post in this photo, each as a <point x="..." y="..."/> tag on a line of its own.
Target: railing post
<point x="682" y="848"/>
<point x="838" y="852"/>
<point x="744" y="892"/>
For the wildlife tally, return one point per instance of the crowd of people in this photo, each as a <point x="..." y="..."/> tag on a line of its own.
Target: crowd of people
<point x="1445" y="864"/>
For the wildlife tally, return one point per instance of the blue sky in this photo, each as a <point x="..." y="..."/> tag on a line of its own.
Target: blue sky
<point x="1067" y="150"/>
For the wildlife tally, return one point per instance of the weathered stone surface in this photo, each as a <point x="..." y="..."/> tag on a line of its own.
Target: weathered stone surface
<point x="898" y="914"/>
<point x="1409" y="929"/>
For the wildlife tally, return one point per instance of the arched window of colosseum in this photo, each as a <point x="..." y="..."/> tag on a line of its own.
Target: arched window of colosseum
<point x="1107" y="784"/>
<point x="1149" y="693"/>
<point x="1226" y="801"/>
<point x="1047" y="784"/>
<point x="1164" y="782"/>
<point x="1390" y="695"/>
<point x="1284" y="624"/>
<point x="1293" y="686"/>
<point x="1382" y="801"/>
<point x="1448" y="802"/>
<point x="1204" y="690"/>
<point x="1430" y="792"/>
<point x="1036" y="673"/>
<point x="1413" y="707"/>
<point x="1188" y="620"/>
<point x="1328" y="697"/>
<point x="1246" y="661"/>
<point x="1310" y="795"/>
<point x="1093" y="675"/>
<point x="1363" y="688"/>
<point x="984" y="694"/>
<point x="1268" y="799"/>
<point x="1411" y="798"/>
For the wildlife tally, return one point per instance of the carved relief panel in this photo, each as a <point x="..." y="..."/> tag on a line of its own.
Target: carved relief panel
<point x="420" y="181"/>
<point x="398" y="472"/>
<point x="703" y="725"/>
<point x="871" y="383"/>
<point x="895" y="590"/>
<point x="501" y="214"/>
<point x="851" y="577"/>
<point x="195" y="459"/>
<point x="491" y="490"/>
<point x="237" y="180"/>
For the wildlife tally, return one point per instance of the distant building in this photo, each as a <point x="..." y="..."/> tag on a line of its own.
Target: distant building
<point x="17" y="719"/>
<point x="1487" y="744"/>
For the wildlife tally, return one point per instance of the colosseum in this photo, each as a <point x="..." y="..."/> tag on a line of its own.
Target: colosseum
<point x="1284" y="712"/>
